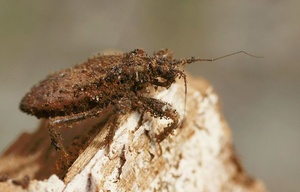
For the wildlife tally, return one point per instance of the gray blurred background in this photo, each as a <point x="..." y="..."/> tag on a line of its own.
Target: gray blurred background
<point x="260" y="97"/>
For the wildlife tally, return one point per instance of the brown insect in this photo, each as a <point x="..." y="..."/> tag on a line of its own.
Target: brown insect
<point x="118" y="80"/>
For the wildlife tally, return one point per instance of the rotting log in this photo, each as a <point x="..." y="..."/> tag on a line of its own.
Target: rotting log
<point x="197" y="156"/>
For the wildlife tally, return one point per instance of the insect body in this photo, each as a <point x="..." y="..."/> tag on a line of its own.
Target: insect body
<point x="118" y="80"/>
<point x="101" y="81"/>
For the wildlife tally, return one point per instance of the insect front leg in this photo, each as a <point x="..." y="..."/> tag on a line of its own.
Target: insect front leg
<point x="161" y="109"/>
<point x="165" y="83"/>
<point x="169" y="78"/>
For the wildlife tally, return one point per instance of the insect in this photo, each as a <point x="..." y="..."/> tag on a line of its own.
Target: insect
<point x="117" y="80"/>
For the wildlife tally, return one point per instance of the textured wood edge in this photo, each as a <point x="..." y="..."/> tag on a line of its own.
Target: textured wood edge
<point x="199" y="156"/>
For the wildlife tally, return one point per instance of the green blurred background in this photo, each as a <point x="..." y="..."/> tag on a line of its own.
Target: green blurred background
<point x="260" y="97"/>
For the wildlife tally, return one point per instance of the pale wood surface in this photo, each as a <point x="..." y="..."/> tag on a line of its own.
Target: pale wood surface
<point x="198" y="156"/>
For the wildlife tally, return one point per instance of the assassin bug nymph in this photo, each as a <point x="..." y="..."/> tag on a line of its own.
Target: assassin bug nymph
<point x="117" y="80"/>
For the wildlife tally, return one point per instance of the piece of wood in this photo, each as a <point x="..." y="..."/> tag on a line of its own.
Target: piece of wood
<point x="198" y="156"/>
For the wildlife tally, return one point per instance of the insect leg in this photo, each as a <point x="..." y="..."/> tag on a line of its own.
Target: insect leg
<point x="57" y="141"/>
<point x="169" y="81"/>
<point x="113" y="124"/>
<point x="122" y="106"/>
<point x="161" y="109"/>
<point x="55" y="136"/>
<point x="76" y="117"/>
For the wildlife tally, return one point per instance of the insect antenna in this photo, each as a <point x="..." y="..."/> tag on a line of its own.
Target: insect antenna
<point x="185" y="93"/>
<point x="194" y="59"/>
<point x="183" y="75"/>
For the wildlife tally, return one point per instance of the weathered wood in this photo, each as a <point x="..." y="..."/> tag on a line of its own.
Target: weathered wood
<point x="198" y="156"/>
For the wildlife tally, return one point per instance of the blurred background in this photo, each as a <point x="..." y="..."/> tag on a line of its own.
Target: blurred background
<point x="260" y="97"/>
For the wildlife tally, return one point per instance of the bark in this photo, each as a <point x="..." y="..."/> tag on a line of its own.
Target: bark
<point x="198" y="156"/>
